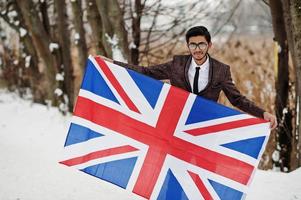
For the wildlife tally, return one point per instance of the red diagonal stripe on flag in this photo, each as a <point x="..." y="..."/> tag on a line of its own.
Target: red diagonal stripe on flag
<point x="225" y="126"/>
<point x="98" y="154"/>
<point x="116" y="84"/>
<point x="201" y="186"/>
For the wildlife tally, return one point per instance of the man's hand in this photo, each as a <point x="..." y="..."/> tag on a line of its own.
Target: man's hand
<point x="271" y="118"/>
<point x="106" y="59"/>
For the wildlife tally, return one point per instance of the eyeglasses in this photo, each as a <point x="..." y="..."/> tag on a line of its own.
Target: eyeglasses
<point x="201" y="45"/>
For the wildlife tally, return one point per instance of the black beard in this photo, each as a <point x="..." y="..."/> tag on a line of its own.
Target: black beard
<point x="205" y="54"/>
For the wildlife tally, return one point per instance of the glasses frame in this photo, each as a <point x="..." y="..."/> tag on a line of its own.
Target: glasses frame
<point x="194" y="46"/>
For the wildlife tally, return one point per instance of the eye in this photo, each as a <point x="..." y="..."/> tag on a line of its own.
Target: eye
<point x="192" y="45"/>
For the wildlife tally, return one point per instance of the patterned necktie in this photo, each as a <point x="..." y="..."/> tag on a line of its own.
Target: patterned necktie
<point x="196" y="81"/>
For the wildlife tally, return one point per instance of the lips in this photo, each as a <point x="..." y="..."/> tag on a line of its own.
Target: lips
<point x="198" y="54"/>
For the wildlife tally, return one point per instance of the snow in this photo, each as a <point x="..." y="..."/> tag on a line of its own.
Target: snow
<point x="279" y="48"/>
<point x="58" y="92"/>
<point x="53" y="46"/>
<point x="32" y="137"/>
<point x="63" y="107"/>
<point x="132" y="46"/>
<point x="297" y="124"/>
<point x="116" y="51"/>
<point x="76" y="38"/>
<point x="27" y="61"/>
<point x="3" y="12"/>
<point x="23" y="32"/>
<point x="276" y="186"/>
<point x="297" y="113"/>
<point x="59" y="77"/>
<point x="276" y="156"/>
<point x="16" y="62"/>
<point x="17" y="23"/>
<point x="12" y="14"/>
<point x="284" y="111"/>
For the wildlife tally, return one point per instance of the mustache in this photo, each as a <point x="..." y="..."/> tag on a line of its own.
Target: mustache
<point x="199" y="52"/>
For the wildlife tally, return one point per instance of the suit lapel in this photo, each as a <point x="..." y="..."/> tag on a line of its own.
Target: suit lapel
<point x="187" y="65"/>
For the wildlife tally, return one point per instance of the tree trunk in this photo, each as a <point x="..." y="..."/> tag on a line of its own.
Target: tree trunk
<point x="284" y="131"/>
<point x="41" y="43"/>
<point x="115" y="35"/>
<point x="35" y="77"/>
<point x="96" y="26"/>
<point x="80" y="39"/>
<point x="64" y="42"/>
<point x="292" y="18"/>
<point x="44" y="13"/>
<point x="136" y="34"/>
<point x="295" y="10"/>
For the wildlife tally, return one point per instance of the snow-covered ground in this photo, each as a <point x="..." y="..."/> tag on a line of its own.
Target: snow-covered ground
<point x="31" y="143"/>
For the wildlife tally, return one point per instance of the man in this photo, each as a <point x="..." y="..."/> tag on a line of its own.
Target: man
<point x="201" y="74"/>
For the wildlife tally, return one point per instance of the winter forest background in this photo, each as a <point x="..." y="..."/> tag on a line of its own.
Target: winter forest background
<point x="44" y="46"/>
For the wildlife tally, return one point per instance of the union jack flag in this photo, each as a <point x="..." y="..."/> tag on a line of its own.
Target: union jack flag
<point x="160" y="141"/>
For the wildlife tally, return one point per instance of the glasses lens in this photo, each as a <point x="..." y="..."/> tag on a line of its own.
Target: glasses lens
<point x="192" y="46"/>
<point x="202" y="46"/>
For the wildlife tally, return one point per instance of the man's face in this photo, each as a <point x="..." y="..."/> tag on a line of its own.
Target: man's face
<point x="198" y="47"/>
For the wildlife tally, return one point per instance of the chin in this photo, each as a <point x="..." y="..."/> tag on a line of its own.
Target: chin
<point x="199" y="57"/>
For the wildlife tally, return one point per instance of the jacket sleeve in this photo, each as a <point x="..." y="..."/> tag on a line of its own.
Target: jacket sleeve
<point x="237" y="99"/>
<point x="158" y="72"/>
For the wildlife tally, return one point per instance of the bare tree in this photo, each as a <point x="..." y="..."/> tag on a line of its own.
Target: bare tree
<point x="63" y="35"/>
<point x="292" y="10"/>
<point x="38" y="36"/>
<point x="80" y="39"/>
<point x="283" y="112"/>
<point x="41" y="43"/>
<point x="115" y="34"/>
<point x="43" y="7"/>
<point x="287" y="28"/>
<point x="29" y="55"/>
<point x="136" y="16"/>
<point x="95" y="22"/>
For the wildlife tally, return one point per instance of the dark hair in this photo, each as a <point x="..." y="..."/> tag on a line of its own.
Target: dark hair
<point x="198" y="30"/>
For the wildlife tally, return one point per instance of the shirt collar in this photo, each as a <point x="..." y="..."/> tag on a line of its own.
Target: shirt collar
<point x="204" y="65"/>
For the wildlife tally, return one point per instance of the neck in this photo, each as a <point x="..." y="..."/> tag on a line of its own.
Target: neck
<point x="200" y="61"/>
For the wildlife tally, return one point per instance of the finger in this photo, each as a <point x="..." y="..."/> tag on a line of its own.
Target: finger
<point x="273" y="124"/>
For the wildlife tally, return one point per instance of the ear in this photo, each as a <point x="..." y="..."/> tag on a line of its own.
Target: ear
<point x="209" y="45"/>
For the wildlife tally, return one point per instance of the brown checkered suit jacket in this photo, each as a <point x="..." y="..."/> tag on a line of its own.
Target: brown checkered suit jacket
<point x="219" y="80"/>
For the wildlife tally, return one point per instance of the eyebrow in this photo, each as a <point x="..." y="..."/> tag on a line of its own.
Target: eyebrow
<point x="198" y="43"/>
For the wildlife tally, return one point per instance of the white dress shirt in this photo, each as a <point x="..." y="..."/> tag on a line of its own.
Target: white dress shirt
<point x="203" y="75"/>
